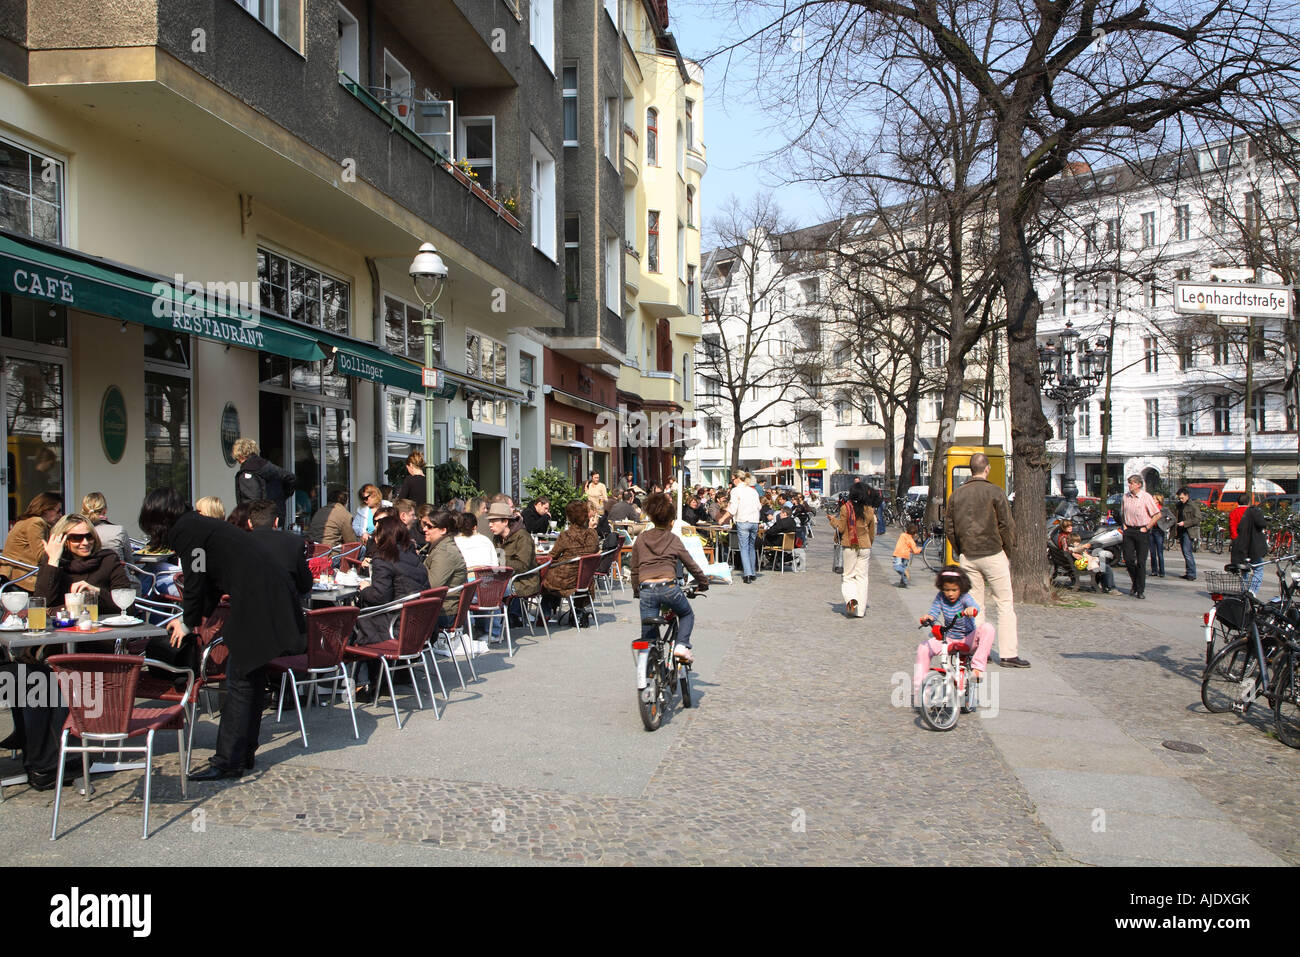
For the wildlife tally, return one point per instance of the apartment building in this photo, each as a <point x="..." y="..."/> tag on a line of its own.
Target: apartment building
<point x="280" y="161"/>
<point x="1177" y="409"/>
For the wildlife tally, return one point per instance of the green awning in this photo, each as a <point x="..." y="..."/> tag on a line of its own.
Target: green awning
<point x="67" y="278"/>
<point x="365" y="360"/>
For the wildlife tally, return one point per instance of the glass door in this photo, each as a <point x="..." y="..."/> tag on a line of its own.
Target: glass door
<point x="34" y="433"/>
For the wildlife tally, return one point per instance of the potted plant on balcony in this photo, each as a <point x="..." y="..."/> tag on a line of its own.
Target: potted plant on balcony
<point x="463" y="172"/>
<point x="507" y="203"/>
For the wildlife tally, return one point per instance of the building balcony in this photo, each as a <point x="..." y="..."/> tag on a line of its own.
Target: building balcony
<point x="661" y="387"/>
<point x="695" y="161"/>
<point x="660" y="296"/>
<point x="631" y="268"/>
<point x="631" y="150"/>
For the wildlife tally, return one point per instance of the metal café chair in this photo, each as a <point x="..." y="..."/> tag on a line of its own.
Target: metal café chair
<point x="107" y="720"/>
<point x="418" y="620"/>
<point x="587" y="565"/>
<point x="532" y="604"/>
<point x="328" y="630"/>
<point x="784" y="549"/>
<point x="458" y="634"/>
<point x="603" y="577"/>
<point x="491" y="599"/>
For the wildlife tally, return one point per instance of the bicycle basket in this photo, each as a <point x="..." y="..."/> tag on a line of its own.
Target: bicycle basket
<point x="1224" y="583"/>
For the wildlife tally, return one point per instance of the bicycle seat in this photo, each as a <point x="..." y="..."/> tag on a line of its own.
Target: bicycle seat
<point x="654" y="621"/>
<point x="1237" y="569"/>
<point x="961" y="648"/>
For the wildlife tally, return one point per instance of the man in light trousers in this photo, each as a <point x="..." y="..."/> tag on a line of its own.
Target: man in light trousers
<point x="978" y="525"/>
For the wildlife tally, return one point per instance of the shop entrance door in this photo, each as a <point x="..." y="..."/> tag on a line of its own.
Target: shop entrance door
<point x="34" y="433"/>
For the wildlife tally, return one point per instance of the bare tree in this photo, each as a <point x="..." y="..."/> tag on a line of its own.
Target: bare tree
<point x="1057" y="80"/>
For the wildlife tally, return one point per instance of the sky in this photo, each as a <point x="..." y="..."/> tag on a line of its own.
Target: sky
<point x="737" y="131"/>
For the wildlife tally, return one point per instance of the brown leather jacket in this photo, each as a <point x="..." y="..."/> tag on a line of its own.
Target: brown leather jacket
<point x="978" y="520"/>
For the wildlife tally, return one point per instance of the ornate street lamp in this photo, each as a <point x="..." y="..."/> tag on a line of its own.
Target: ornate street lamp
<point x="1071" y="371"/>
<point x="429" y="276"/>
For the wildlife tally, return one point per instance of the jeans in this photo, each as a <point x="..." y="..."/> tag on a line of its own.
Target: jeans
<point x="659" y="594"/>
<point x="1255" y="579"/>
<point x="747" y="533"/>
<point x="900" y="565"/>
<point x="880" y="521"/>
<point x="1185" y="540"/>
<point x="1157" y="552"/>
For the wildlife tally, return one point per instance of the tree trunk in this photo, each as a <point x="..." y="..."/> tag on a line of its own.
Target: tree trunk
<point x="990" y="366"/>
<point x="953" y="377"/>
<point x="910" y="410"/>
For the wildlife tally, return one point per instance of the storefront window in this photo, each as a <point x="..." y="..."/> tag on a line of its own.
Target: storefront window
<point x="31" y="193"/>
<point x="34" y="425"/>
<point x="33" y="321"/>
<point x="167" y="432"/>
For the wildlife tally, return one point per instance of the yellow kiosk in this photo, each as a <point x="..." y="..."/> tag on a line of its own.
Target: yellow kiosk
<point x="956" y="470"/>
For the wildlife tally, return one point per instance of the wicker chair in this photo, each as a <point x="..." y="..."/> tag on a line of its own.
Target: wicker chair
<point x="328" y="630"/>
<point x="403" y="653"/>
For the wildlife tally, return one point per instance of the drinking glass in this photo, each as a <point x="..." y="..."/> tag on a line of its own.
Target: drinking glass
<point x="123" y="598"/>
<point x="91" y="605"/>
<point x="72" y="601"/>
<point x="14" y="601"/>
<point x="36" y="616"/>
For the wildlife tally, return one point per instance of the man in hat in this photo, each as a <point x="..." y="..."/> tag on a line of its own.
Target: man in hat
<point x="517" y="550"/>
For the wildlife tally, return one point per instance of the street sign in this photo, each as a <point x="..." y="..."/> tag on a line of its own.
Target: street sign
<point x="1238" y="299"/>
<point x="431" y="378"/>
<point x="1235" y="320"/>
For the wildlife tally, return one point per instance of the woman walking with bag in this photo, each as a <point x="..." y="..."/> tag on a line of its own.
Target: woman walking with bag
<point x="856" y="528"/>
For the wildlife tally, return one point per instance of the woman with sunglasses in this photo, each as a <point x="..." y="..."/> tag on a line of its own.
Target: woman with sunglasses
<point x="75" y="562"/>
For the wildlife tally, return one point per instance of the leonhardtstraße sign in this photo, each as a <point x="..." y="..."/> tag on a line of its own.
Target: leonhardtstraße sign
<point x="1232" y="298"/>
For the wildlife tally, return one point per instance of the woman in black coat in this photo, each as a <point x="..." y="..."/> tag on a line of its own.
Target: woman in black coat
<point x="396" y="569"/>
<point x="265" y="619"/>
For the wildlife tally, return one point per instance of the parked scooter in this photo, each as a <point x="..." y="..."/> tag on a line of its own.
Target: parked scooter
<point x="1100" y="546"/>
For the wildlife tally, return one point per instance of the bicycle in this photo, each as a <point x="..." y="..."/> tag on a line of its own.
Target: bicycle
<point x="659" y="674"/>
<point x="932" y="548"/>
<point x="950" y="689"/>
<point x="1226" y="621"/>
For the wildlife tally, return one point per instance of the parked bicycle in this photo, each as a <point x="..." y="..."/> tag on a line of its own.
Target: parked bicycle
<point x="931" y="543"/>
<point x="660" y="677"/>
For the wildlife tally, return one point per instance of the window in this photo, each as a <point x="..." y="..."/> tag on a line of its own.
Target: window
<point x="681" y="151"/>
<point x="167" y="425"/>
<point x="1258" y="411"/>
<point x="1182" y="222"/>
<point x="1112" y="233"/>
<point x="527" y="369"/>
<point x="1149" y="292"/>
<point x="613" y="128"/>
<point x="31" y="193"/>
<point x="399" y="89"/>
<point x="869" y="408"/>
<point x="652" y="137"/>
<point x="1085" y="420"/>
<point x="1253" y="211"/>
<point x="1058" y="247"/>
<point x="652" y="241"/>
<point x="688" y="382"/>
<point x="1153" y="418"/>
<point x="812" y="431"/>
<point x="710" y="388"/>
<point x="936" y="406"/>
<point x="713" y="429"/>
<point x="349" y="46"/>
<point x="281" y="17"/>
<point x="1148" y="229"/>
<point x="404" y="331"/>
<point x="485" y="359"/>
<point x="1222" y="414"/>
<point x="1291" y="191"/>
<point x="999" y="401"/>
<point x="690" y="124"/>
<point x="1219" y="349"/>
<point x="1090" y="238"/>
<point x="712" y="347"/>
<point x="692" y="305"/>
<point x="1151" y="354"/>
<point x="681" y="252"/>
<point x="690" y="205"/>
<point x="543" y="189"/>
<point x="936" y="352"/>
<point x="570" y="76"/>
<point x="840" y="358"/>
<point x="1184" y="274"/>
<point x="478" y="147"/>
<point x="542" y="32"/>
<point x="843" y="412"/>
<point x="1183" y="345"/>
<point x="295" y="291"/>
<point x="1218" y="210"/>
<point x="572" y="259"/>
<point x="613" y="260"/>
<point x="1186" y="416"/>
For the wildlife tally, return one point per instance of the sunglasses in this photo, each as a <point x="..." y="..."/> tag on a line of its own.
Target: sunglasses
<point x="427" y="525"/>
<point x="76" y="539"/>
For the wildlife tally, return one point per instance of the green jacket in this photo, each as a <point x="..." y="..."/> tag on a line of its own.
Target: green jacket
<point x="521" y="554"/>
<point x="978" y="522"/>
<point x="446" y="567"/>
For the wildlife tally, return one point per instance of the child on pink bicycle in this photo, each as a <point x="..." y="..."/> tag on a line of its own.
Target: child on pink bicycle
<point x="953" y="603"/>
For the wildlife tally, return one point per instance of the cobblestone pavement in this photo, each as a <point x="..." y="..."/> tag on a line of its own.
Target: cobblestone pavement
<point x="796" y="754"/>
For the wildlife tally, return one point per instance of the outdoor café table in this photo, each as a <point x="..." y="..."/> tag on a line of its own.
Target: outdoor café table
<point x="150" y="558"/>
<point x="336" y="594"/>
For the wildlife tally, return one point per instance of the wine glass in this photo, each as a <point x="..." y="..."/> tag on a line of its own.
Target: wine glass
<point x="123" y="598"/>
<point x="14" y="601"/>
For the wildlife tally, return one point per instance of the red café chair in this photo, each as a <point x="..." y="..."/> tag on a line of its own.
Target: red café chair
<point x="532" y="605"/>
<point x="105" y="721"/>
<point x="587" y="565"/>
<point x="328" y="630"/>
<point x="491" y="598"/>
<point x="403" y="653"/>
<point x="457" y="634"/>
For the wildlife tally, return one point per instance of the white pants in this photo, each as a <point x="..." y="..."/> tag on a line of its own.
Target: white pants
<point x="995" y="572"/>
<point x="854" y="583"/>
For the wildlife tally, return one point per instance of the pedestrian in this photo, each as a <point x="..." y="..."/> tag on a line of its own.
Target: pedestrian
<point x="1250" y="545"/>
<point x="264" y="622"/>
<point x="855" y="527"/>
<point x="743" y="510"/>
<point x="596" y="493"/>
<point x="1139" y="514"/>
<point x="875" y="500"/>
<point x="905" y="549"/>
<point x="1187" y="520"/>
<point x="210" y="506"/>
<point x="952" y="603"/>
<point x="257" y="478"/>
<point x="979" y="528"/>
<point x="1163" y="523"/>
<point x="416" y="485"/>
<point x="537" y="516"/>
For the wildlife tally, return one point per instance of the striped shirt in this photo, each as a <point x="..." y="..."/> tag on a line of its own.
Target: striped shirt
<point x="942" y="611"/>
<point x="1139" y="509"/>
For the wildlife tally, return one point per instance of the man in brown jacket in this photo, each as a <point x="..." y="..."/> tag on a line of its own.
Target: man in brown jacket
<point x="519" y="551"/>
<point x="978" y="525"/>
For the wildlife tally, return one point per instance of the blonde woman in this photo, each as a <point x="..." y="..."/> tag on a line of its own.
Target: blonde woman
<point x="94" y="506"/>
<point x="209" y="506"/>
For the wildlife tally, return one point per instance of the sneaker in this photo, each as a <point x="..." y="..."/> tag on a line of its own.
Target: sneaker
<point x="682" y="653"/>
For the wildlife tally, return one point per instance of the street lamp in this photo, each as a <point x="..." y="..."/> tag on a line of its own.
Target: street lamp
<point x="429" y="276"/>
<point x="1070" y="373"/>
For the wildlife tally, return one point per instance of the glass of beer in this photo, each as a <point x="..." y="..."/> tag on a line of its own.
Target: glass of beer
<point x="91" y="605"/>
<point x="36" y="616"/>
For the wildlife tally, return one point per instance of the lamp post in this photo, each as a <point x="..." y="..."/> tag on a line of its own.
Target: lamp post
<point x="1070" y="373"/>
<point x="429" y="276"/>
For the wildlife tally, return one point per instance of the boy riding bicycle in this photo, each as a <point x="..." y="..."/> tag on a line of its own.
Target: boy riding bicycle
<point x="653" y="561"/>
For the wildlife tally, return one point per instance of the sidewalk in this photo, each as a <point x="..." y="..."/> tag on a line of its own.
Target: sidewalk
<point x="800" y="751"/>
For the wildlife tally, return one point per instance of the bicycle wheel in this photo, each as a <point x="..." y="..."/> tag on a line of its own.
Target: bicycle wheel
<point x="1226" y="677"/>
<point x="932" y="553"/>
<point x="1286" y="705"/>
<point x="939" y="704"/>
<point x="650" y="698"/>
<point x="684" y="685"/>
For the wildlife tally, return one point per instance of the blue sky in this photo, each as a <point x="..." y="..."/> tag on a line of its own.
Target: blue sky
<point x="737" y="131"/>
